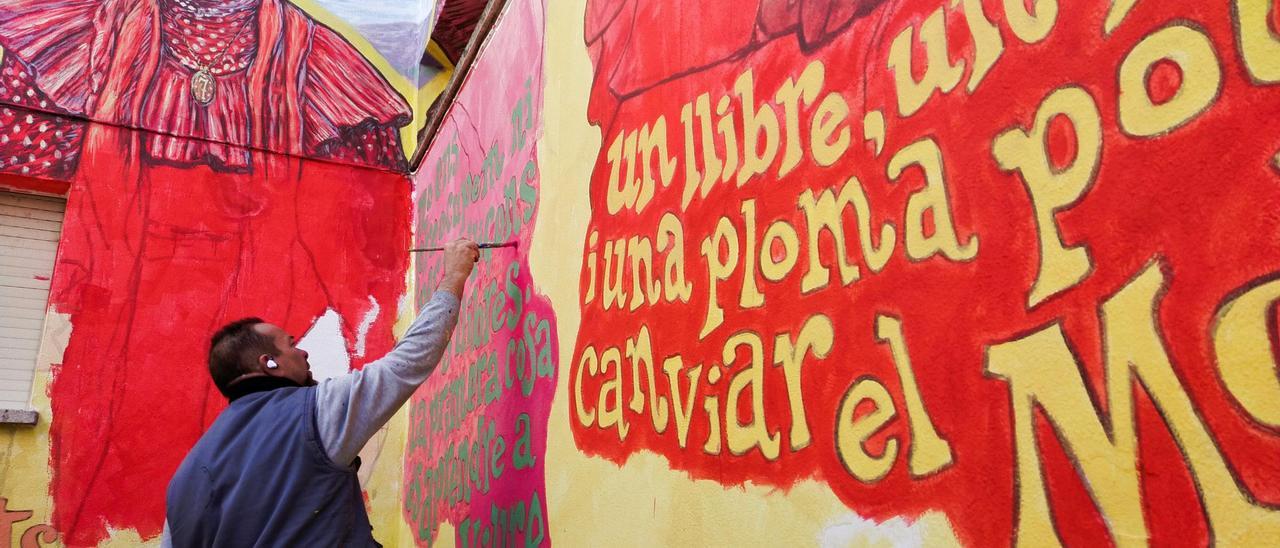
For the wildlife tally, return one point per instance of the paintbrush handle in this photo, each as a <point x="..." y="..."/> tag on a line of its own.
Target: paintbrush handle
<point x="481" y="246"/>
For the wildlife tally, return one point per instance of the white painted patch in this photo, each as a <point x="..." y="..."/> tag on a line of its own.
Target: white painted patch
<point x="53" y="339"/>
<point x="326" y="348"/>
<point x="405" y="305"/>
<point x="362" y="333"/>
<point x="854" y="530"/>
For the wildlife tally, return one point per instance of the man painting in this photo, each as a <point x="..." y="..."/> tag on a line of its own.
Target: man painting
<point x="190" y="204"/>
<point x="278" y="467"/>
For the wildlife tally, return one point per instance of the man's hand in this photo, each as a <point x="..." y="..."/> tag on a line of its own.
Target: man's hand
<point x="460" y="258"/>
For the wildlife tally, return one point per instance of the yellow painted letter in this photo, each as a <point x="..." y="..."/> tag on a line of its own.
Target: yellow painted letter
<point x="1053" y="189"/>
<point x="1243" y="347"/>
<point x="1259" y="45"/>
<point x="1192" y="51"/>
<point x="933" y="197"/>
<point x="939" y="73"/>
<point x="1042" y="372"/>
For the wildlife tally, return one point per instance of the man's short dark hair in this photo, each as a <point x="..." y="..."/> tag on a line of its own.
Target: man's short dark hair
<point x="233" y="350"/>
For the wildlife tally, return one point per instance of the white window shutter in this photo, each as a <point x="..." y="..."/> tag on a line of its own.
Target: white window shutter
<point x="30" y="227"/>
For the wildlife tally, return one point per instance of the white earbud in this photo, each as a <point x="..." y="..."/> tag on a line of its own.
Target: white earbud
<point x="271" y="364"/>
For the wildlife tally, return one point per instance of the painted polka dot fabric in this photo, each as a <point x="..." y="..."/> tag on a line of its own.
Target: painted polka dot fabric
<point x="34" y="141"/>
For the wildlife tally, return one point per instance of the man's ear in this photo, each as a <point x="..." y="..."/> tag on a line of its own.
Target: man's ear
<point x="268" y="364"/>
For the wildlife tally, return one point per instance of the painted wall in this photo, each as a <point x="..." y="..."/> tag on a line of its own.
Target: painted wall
<point x="284" y="197"/>
<point x="978" y="272"/>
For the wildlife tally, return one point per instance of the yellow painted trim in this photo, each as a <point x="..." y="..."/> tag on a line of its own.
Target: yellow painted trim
<point x="429" y="91"/>
<point x="433" y="48"/>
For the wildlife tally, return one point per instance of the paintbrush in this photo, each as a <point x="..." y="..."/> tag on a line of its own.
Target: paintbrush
<point x="481" y="246"/>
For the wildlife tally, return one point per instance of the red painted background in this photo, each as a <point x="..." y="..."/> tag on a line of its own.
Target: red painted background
<point x="153" y="260"/>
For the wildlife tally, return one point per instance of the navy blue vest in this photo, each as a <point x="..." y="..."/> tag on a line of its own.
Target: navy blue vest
<point x="260" y="477"/>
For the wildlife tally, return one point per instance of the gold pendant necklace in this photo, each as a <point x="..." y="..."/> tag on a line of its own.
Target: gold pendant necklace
<point x="204" y="83"/>
<point x="203" y="86"/>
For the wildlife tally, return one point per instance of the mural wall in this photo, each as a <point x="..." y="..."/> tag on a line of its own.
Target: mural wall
<point x="219" y="160"/>
<point x="858" y="272"/>
<point x="1010" y="262"/>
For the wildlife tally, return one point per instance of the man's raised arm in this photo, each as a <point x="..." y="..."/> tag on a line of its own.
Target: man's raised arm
<point x="352" y="407"/>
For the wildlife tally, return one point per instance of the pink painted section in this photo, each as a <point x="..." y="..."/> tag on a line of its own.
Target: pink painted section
<point x="478" y="426"/>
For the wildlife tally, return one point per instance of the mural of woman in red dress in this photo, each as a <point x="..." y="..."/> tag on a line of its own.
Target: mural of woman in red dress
<point x="225" y="158"/>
